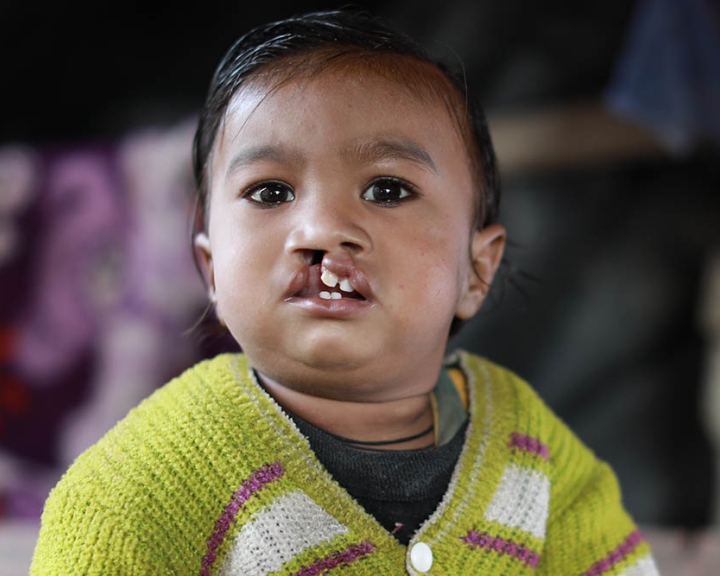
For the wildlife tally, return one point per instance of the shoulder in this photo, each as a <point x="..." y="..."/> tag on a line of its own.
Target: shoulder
<point x="153" y="478"/>
<point x="549" y="483"/>
<point x="203" y="405"/>
<point x="526" y="430"/>
<point x="203" y="401"/>
<point x="530" y="429"/>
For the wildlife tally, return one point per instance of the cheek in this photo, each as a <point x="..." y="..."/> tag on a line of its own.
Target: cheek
<point x="241" y="275"/>
<point x="441" y="244"/>
<point x="238" y="265"/>
<point x="435" y="263"/>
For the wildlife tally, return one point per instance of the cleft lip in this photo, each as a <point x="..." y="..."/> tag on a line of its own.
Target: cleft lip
<point x="360" y="285"/>
<point x="307" y="283"/>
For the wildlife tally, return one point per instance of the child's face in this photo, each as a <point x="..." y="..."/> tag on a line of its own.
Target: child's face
<point x="352" y="173"/>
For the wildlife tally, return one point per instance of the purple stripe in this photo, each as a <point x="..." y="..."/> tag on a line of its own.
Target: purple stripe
<point x="259" y="478"/>
<point x="529" y="444"/>
<point x="616" y="556"/>
<point x="350" y="554"/>
<point x="484" y="540"/>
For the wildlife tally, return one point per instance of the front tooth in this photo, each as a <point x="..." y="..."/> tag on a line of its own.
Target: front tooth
<point x="345" y="285"/>
<point x="325" y="295"/>
<point x="335" y="295"/>
<point x="328" y="278"/>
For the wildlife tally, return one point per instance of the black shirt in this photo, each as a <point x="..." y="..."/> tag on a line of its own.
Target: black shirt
<point x="400" y="488"/>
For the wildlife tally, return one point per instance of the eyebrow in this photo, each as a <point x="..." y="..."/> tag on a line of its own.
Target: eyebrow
<point x="253" y="154"/>
<point x="365" y="151"/>
<point x="379" y="150"/>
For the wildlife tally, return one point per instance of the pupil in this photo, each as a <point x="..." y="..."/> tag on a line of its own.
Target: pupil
<point x="272" y="195"/>
<point x="386" y="191"/>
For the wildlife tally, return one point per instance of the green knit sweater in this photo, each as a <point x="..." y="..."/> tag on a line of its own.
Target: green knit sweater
<point x="209" y="476"/>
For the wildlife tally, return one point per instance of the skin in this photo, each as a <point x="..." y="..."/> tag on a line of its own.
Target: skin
<point x="362" y="367"/>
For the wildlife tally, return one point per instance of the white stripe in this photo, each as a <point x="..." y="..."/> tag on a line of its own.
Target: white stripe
<point x="290" y="525"/>
<point x="522" y="500"/>
<point x="644" y="567"/>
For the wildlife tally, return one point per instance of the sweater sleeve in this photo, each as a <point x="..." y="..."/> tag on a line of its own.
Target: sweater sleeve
<point x="82" y="536"/>
<point x="589" y="532"/>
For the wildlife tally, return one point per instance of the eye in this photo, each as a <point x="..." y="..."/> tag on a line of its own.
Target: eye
<point x="269" y="194"/>
<point x="388" y="192"/>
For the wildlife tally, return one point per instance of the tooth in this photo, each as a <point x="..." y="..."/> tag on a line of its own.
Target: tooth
<point x="325" y="295"/>
<point x="329" y="279"/>
<point x="335" y="295"/>
<point x="345" y="286"/>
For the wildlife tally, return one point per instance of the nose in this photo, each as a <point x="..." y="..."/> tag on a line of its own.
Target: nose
<point x="330" y="224"/>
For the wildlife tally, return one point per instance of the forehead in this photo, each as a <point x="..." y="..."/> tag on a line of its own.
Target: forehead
<point x="396" y="92"/>
<point x="424" y="80"/>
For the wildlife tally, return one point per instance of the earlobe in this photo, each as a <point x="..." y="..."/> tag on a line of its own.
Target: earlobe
<point x="204" y="259"/>
<point x="486" y="253"/>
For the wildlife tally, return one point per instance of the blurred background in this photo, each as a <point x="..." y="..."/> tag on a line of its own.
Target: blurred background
<point x="606" y="120"/>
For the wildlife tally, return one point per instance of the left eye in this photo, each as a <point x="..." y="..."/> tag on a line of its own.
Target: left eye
<point x="387" y="192"/>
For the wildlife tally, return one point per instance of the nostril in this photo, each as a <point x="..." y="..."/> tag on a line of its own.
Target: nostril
<point x="314" y="257"/>
<point x="351" y="247"/>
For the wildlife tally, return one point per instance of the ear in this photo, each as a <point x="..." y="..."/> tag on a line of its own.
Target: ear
<point x="486" y="252"/>
<point x="204" y="258"/>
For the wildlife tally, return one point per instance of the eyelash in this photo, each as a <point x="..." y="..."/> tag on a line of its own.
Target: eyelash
<point x="407" y="192"/>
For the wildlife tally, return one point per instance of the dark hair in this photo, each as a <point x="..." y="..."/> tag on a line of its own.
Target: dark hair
<point x="340" y="32"/>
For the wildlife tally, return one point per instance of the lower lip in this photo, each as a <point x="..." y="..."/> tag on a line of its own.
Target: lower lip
<point x="342" y="308"/>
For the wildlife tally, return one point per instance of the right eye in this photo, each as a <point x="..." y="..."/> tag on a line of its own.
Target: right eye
<point x="270" y="194"/>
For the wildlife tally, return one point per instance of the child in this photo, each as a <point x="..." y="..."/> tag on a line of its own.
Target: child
<point x="348" y="202"/>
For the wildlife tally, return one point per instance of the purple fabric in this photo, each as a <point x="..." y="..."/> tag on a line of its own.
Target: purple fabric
<point x="98" y="289"/>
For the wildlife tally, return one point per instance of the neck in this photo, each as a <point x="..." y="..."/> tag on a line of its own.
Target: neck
<point x="360" y="421"/>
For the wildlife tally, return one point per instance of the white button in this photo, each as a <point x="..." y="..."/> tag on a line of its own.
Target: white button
<point x="421" y="557"/>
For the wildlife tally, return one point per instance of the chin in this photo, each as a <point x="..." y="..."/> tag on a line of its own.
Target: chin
<point x="329" y="349"/>
<point x="337" y="357"/>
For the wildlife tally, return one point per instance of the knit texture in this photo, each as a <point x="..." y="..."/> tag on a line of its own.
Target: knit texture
<point x="208" y="476"/>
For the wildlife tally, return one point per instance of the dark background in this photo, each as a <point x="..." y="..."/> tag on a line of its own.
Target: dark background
<point x="599" y="306"/>
<point x="82" y="70"/>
